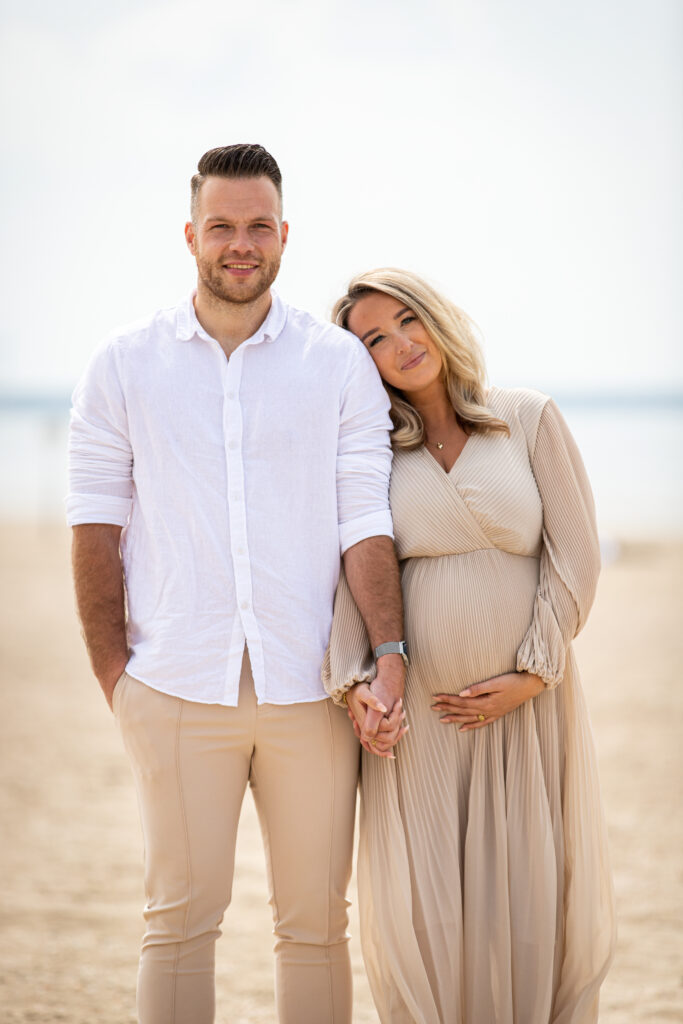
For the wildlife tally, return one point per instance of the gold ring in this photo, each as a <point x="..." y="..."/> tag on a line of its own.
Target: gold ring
<point x="482" y="718"/>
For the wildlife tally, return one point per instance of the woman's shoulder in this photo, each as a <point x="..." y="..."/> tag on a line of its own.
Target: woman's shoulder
<point x="516" y="400"/>
<point x="517" y="403"/>
<point x="522" y="406"/>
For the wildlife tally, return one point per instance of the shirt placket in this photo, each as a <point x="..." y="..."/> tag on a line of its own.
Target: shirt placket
<point x="233" y="430"/>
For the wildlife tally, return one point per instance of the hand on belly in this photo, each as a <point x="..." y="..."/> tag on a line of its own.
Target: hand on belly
<point x="482" y="703"/>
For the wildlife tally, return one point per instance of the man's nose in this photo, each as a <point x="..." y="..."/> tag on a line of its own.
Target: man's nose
<point x="240" y="241"/>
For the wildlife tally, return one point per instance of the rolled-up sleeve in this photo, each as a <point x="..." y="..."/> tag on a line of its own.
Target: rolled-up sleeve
<point x="363" y="456"/>
<point x="100" y="454"/>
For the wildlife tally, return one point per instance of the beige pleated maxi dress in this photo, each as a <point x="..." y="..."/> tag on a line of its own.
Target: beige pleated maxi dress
<point x="484" y="882"/>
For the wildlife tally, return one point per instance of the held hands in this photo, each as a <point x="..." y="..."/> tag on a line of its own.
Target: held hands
<point x="376" y="711"/>
<point x="377" y="730"/>
<point x="482" y="703"/>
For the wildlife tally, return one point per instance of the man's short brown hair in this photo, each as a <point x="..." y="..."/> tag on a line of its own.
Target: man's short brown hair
<point x="243" y="160"/>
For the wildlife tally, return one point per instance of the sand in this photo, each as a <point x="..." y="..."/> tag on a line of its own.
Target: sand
<point x="70" y="860"/>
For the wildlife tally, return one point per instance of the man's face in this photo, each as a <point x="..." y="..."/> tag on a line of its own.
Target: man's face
<point x="237" y="237"/>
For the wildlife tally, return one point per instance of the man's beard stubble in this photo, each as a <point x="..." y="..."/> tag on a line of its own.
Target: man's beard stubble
<point x="214" y="279"/>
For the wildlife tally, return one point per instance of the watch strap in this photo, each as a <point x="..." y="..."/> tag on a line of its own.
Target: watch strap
<point x="393" y="647"/>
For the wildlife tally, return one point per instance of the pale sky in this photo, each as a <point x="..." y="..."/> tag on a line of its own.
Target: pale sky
<point x="527" y="158"/>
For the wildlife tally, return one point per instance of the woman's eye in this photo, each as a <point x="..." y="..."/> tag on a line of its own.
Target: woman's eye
<point x="407" y="320"/>
<point x="373" y="341"/>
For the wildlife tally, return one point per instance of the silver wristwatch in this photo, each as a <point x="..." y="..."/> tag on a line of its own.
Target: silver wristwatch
<point x="393" y="647"/>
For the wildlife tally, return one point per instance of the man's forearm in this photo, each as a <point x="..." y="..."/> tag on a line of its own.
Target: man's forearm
<point x="98" y="581"/>
<point x="372" y="573"/>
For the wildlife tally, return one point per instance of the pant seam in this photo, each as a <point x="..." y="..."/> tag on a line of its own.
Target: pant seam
<point x="329" y="860"/>
<point x="187" y="854"/>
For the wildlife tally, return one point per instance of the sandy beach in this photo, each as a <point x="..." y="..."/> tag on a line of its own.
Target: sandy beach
<point x="70" y="858"/>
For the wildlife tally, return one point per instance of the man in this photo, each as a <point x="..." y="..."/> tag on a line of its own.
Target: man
<point x="222" y="454"/>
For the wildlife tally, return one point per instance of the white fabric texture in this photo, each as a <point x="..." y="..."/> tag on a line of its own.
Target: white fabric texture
<point x="238" y="483"/>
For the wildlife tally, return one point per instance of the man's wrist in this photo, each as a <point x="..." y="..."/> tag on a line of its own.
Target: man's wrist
<point x="391" y="664"/>
<point x="109" y="675"/>
<point x="391" y="674"/>
<point x="398" y="647"/>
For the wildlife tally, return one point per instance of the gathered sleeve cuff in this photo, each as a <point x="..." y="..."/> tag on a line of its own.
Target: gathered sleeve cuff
<point x="543" y="650"/>
<point x="348" y="659"/>
<point x="570" y="556"/>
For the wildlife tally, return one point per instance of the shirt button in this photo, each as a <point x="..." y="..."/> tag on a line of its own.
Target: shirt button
<point x="232" y="445"/>
<point x="244" y="605"/>
<point x="240" y="550"/>
<point x="230" y="395"/>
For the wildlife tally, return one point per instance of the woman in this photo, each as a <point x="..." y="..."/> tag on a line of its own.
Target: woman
<point x="484" y="883"/>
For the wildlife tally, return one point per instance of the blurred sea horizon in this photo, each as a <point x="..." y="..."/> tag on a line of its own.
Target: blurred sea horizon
<point x="632" y="445"/>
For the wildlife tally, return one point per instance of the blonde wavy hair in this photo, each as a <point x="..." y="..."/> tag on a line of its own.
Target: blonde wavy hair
<point x="454" y="335"/>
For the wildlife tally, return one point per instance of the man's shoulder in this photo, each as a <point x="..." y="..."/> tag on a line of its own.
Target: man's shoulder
<point x="162" y="322"/>
<point x="312" y="330"/>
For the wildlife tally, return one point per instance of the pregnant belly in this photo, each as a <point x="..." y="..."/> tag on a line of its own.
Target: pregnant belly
<point x="466" y="616"/>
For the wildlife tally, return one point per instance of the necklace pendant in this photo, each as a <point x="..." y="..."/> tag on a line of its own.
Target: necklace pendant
<point x="439" y="445"/>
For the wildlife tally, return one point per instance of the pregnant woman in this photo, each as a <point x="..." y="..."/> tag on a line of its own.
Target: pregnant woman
<point x="485" y="890"/>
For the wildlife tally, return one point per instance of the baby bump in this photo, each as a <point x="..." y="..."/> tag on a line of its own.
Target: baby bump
<point x="466" y="616"/>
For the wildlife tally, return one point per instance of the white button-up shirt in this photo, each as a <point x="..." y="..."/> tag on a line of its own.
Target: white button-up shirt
<point x="238" y="483"/>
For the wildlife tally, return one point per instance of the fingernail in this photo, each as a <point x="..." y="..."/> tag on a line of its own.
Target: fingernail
<point x="464" y="693"/>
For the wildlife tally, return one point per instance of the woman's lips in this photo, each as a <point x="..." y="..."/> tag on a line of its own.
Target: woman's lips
<point x="414" y="361"/>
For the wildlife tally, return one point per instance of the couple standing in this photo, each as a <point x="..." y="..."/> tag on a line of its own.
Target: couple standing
<point x="223" y="453"/>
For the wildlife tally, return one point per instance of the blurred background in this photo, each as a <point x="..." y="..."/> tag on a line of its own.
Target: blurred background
<point x="526" y="158"/>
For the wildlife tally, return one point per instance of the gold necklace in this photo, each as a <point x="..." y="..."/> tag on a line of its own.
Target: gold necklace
<point x="435" y="444"/>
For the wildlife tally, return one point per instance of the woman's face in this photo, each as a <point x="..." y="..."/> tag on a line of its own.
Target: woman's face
<point x="403" y="352"/>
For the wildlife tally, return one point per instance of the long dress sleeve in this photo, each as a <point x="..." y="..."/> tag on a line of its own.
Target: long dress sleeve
<point x="570" y="557"/>
<point x="348" y="659"/>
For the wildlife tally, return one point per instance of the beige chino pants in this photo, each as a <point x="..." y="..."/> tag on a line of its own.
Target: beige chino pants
<point x="192" y="763"/>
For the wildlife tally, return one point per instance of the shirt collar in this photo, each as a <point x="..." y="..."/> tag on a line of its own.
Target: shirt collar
<point x="189" y="327"/>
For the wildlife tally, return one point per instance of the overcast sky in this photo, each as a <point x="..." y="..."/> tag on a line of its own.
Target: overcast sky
<point x="526" y="157"/>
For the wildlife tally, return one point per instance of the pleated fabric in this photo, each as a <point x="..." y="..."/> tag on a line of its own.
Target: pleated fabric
<point x="484" y="882"/>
